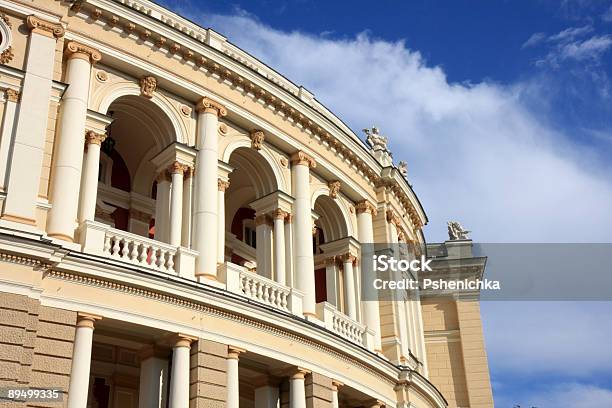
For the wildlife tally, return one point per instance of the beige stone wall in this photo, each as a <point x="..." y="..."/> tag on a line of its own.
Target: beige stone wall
<point x="208" y="375"/>
<point x="35" y="345"/>
<point x="318" y="391"/>
<point x="456" y="354"/>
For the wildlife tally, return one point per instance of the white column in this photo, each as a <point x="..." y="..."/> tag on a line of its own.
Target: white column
<point x="263" y="231"/>
<point x="68" y="156"/>
<point x="28" y="150"/>
<point x="331" y="282"/>
<point x="162" y="206"/>
<point x="335" y="387"/>
<point x="81" y="361"/>
<point x="349" y="286"/>
<point x="233" y="380"/>
<point x="222" y="185"/>
<point x="6" y="135"/>
<point x="279" y="246"/>
<point x="153" y="377"/>
<point x="304" y="260"/>
<point x="176" y="171"/>
<point x="89" y="180"/>
<point x="365" y="211"/>
<point x="187" y="199"/>
<point x="297" y="390"/>
<point x="289" y="279"/>
<point x="179" y="377"/>
<point x="267" y="396"/>
<point x="205" y="204"/>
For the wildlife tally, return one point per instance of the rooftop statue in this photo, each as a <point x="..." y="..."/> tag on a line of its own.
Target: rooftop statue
<point x="402" y="166"/>
<point x="375" y="139"/>
<point x="456" y="231"/>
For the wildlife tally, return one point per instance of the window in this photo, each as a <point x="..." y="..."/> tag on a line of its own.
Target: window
<point x="249" y="233"/>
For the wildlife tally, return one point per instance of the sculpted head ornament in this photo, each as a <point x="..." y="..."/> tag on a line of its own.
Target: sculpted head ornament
<point x="402" y="166"/>
<point x="148" y="85"/>
<point x="456" y="231"/>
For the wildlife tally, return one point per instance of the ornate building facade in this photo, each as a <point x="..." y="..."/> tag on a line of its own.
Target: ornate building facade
<point x="181" y="226"/>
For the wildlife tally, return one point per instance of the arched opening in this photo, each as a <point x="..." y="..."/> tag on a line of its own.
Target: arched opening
<point x="330" y="226"/>
<point x="126" y="178"/>
<point x="249" y="232"/>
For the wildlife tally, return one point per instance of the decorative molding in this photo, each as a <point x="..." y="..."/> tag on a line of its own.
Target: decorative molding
<point x="366" y="206"/>
<point x="334" y="188"/>
<point x="101" y="76"/>
<point x="148" y="85"/>
<point x="207" y="105"/>
<point x="47" y="28"/>
<point x="12" y="95"/>
<point x="223" y="128"/>
<point x="92" y="137"/>
<point x="257" y="139"/>
<point x="185" y="110"/>
<point x="6" y="20"/>
<point x="78" y="50"/>
<point x="222" y="185"/>
<point x="279" y="214"/>
<point x="177" y="168"/>
<point x="301" y="158"/>
<point x="7" y="55"/>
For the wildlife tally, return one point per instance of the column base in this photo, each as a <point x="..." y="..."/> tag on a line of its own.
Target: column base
<point x="61" y="236"/>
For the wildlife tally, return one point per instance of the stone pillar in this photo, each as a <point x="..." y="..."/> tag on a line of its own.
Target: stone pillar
<point x="81" y="361"/>
<point x="68" y="155"/>
<point x="335" y="388"/>
<point x="208" y="374"/>
<point x="153" y="378"/>
<point x="280" y="275"/>
<point x="297" y="391"/>
<point x="222" y="186"/>
<point x="187" y="198"/>
<point x="349" y="286"/>
<point x="304" y="260"/>
<point x="6" y="135"/>
<point x="267" y="394"/>
<point x="176" y="171"/>
<point x="365" y="211"/>
<point x="289" y="245"/>
<point x="89" y="180"/>
<point x="179" y="377"/>
<point x="206" y="188"/>
<point x="263" y="231"/>
<point x="162" y="206"/>
<point x="26" y="157"/>
<point x="318" y="391"/>
<point x="233" y="380"/>
<point x="331" y="280"/>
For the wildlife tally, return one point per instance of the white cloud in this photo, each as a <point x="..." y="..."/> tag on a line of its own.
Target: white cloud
<point x="591" y="48"/>
<point x="569" y="34"/>
<point x="572" y="395"/>
<point x="535" y="39"/>
<point x="567" y="339"/>
<point x="475" y="153"/>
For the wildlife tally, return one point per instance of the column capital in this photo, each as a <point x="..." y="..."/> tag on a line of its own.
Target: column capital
<point x="330" y="261"/>
<point x="207" y="105"/>
<point x="262" y="219"/>
<point x="182" y="340"/>
<point x="11" y="95"/>
<point x="349" y="258"/>
<point x="393" y="218"/>
<point x="86" y="319"/>
<point x="92" y="137"/>
<point x="189" y="172"/>
<point x="257" y="138"/>
<point x="366" y="206"/>
<point x="334" y="188"/>
<point x="337" y="385"/>
<point x="164" y="175"/>
<point x="280" y="214"/>
<point x="298" y="373"/>
<point x="222" y="185"/>
<point x="301" y="158"/>
<point x="77" y="50"/>
<point x="177" y="168"/>
<point x="233" y="352"/>
<point x="43" y="27"/>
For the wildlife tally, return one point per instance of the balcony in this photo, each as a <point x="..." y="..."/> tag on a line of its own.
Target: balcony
<point x="339" y="323"/>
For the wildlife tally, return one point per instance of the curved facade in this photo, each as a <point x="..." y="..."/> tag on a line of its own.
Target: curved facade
<point x="182" y="226"/>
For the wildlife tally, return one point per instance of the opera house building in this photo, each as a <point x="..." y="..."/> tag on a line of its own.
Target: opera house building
<point x="182" y="226"/>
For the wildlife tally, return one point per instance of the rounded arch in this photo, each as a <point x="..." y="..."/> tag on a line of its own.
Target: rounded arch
<point x="275" y="172"/>
<point x="332" y="220"/>
<point x="252" y="168"/>
<point x="109" y="94"/>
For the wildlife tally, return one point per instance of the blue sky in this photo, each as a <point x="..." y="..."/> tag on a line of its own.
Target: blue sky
<point x="503" y="111"/>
